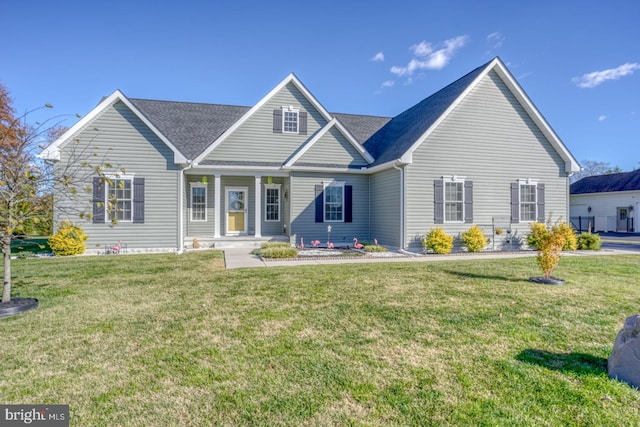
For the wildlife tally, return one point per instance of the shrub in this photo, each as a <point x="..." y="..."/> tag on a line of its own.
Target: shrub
<point x="374" y="248"/>
<point x="549" y="240"/>
<point x="438" y="241"/>
<point x="268" y="245"/>
<point x="474" y="239"/>
<point x="279" y="252"/>
<point x="589" y="241"/>
<point x="69" y="240"/>
<point x="567" y="230"/>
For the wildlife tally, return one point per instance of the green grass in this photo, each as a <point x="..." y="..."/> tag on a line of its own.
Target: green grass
<point x="166" y="340"/>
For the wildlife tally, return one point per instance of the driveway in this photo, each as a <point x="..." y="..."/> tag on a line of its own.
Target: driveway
<point x="621" y="241"/>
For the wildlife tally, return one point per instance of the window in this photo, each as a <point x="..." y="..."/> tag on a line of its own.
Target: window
<point x="454" y="201"/>
<point x="198" y="202"/>
<point x="272" y="202"/>
<point x="334" y="202"/>
<point x="119" y="199"/>
<point x="528" y="202"/>
<point x="290" y="119"/>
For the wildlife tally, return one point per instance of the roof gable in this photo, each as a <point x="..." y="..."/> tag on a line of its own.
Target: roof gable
<point x="290" y="79"/>
<point x="52" y="152"/>
<point x="332" y="145"/>
<point x="402" y="135"/>
<point x="626" y="181"/>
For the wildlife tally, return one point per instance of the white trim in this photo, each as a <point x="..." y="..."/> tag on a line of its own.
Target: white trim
<point x="453" y="179"/>
<point x="271" y="187"/>
<point x="530" y="183"/>
<point x="291" y="109"/>
<point x="257" y="206"/>
<point x="291" y="78"/>
<point x="108" y="212"/>
<point x="217" y="200"/>
<point x="571" y="164"/>
<point x="333" y="123"/>
<point x="52" y="152"/>
<point x="193" y="185"/>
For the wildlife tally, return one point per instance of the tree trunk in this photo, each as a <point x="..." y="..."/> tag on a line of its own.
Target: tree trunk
<point x="6" y="289"/>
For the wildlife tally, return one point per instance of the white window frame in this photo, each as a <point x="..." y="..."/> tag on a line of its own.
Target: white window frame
<point x="194" y="185"/>
<point x="266" y="201"/>
<point x="108" y="186"/>
<point x="529" y="183"/>
<point x="452" y="180"/>
<point x="326" y="185"/>
<point x="296" y="113"/>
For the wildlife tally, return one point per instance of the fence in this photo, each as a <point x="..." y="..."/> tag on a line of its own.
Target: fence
<point x="583" y="223"/>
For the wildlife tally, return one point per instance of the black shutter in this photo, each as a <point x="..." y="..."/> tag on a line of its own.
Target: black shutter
<point x="468" y="202"/>
<point x="302" y="128"/>
<point x="438" y="201"/>
<point x="515" y="203"/>
<point x="540" y="189"/>
<point x="348" y="204"/>
<point x="138" y="200"/>
<point x="98" y="200"/>
<point x="277" y="121"/>
<point x="319" y="203"/>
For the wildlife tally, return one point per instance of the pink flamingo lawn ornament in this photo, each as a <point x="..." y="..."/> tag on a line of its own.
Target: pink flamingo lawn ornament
<point x="117" y="248"/>
<point x="301" y="242"/>
<point x="315" y="243"/>
<point x="375" y="241"/>
<point x="356" y="244"/>
<point x="330" y="245"/>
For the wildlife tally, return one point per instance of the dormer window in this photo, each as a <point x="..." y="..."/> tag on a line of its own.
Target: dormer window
<point x="290" y="119"/>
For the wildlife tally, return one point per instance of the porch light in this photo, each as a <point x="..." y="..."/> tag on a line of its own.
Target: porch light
<point x="286" y="195"/>
<point x="630" y="208"/>
<point x="589" y="209"/>
<point x="204" y="179"/>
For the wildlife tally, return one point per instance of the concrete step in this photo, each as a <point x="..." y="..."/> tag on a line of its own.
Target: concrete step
<point x="238" y="242"/>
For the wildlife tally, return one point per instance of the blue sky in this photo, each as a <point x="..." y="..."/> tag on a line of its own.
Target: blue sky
<point x="579" y="61"/>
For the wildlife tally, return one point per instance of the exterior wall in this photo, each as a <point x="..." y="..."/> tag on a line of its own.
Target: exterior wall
<point x="302" y="196"/>
<point x="604" y="207"/>
<point x="490" y="140"/>
<point x="333" y="148"/>
<point x="127" y="143"/>
<point x="386" y="207"/>
<point x="256" y="135"/>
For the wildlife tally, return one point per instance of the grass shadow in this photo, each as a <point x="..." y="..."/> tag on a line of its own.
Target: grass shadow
<point x="485" y="276"/>
<point x="579" y="363"/>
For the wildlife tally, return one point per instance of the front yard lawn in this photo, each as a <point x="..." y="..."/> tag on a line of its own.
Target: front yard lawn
<point x="166" y="340"/>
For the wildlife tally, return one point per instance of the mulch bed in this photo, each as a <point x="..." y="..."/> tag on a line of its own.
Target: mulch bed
<point x="17" y="305"/>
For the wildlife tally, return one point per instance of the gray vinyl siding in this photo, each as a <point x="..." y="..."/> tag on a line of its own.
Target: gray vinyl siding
<point x="199" y="228"/>
<point x="386" y="209"/>
<point x="256" y="135"/>
<point x="489" y="139"/>
<point x="118" y="137"/>
<point x="334" y="149"/>
<point x="302" y="196"/>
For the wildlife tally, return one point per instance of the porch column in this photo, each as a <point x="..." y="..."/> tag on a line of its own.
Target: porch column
<point x="258" y="206"/>
<point x="218" y="205"/>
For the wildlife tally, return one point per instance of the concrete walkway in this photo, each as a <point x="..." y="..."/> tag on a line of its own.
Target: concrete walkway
<point x="242" y="258"/>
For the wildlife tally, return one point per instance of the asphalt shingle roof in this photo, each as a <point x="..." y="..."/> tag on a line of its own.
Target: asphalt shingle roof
<point x="626" y="181"/>
<point x="192" y="127"/>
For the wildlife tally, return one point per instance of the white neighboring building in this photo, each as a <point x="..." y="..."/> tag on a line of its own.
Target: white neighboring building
<point x="611" y="202"/>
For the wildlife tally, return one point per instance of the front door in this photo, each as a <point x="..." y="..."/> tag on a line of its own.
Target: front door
<point x="236" y="210"/>
<point x="622" y="223"/>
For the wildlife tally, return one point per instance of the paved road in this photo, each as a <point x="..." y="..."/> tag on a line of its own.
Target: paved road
<point x="621" y="246"/>
<point x="621" y="241"/>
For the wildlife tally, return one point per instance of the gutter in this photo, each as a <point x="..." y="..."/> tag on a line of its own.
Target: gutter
<point x="402" y="208"/>
<point x="180" y="245"/>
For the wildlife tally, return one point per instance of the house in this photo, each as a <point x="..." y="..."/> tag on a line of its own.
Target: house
<point x="610" y="201"/>
<point x="476" y="152"/>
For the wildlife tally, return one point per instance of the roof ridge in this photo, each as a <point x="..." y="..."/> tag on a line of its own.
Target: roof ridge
<point x="189" y="102"/>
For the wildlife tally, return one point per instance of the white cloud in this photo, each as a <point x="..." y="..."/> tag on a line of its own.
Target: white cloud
<point x="598" y="77"/>
<point x="378" y="57"/>
<point x="426" y="58"/>
<point x="496" y="40"/>
<point x="388" y="83"/>
<point x="602" y="118"/>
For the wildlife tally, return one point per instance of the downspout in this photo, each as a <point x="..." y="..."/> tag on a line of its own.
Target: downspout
<point x="402" y="230"/>
<point x="181" y="207"/>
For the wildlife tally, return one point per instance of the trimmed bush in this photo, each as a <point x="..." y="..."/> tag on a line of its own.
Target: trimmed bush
<point x="438" y="241"/>
<point x="589" y="241"/>
<point x="69" y="240"/>
<point x="570" y="235"/>
<point x="536" y="234"/>
<point x="548" y="240"/>
<point x="267" y="245"/>
<point x="279" y="252"/>
<point x="474" y="239"/>
<point x="375" y="248"/>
